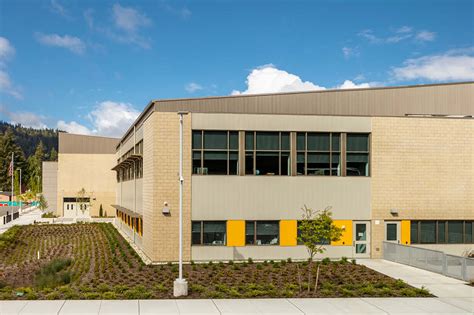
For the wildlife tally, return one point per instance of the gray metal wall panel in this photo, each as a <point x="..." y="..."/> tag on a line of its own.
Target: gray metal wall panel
<point x="50" y="184"/>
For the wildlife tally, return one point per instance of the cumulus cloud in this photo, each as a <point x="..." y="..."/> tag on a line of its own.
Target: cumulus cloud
<point x="269" y="79"/>
<point x="7" y="86"/>
<point x="27" y="119"/>
<point x="450" y="66"/>
<point x="193" y="87"/>
<point x="72" y="43"/>
<point x="108" y="118"/>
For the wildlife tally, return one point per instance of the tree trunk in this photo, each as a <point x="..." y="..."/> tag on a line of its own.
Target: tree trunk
<point x="299" y="275"/>
<point x="317" y="279"/>
<point x="309" y="274"/>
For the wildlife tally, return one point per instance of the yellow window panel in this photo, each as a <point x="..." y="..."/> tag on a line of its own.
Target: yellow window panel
<point x="346" y="237"/>
<point x="288" y="232"/>
<point x="236" y="233"/>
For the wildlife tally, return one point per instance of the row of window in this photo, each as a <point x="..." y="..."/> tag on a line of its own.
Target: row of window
<point x="269" y="153"/>
<point x="135" y="224"/>
<point x="215" y="232"/>
<point x="134" y="169"/>
<point x="442" y="232"/>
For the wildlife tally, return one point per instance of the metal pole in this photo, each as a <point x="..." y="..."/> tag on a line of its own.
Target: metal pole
<point x="20" y="189"/>
<point x="13" y="176"/>
<point x="181" y="180"/>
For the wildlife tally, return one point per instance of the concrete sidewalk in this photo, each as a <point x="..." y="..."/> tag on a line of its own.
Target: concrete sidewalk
<point x="253" y="306"/>
<point x="25" y="218"/>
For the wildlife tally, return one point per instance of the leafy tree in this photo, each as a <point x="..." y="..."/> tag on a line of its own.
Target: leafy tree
<point x="53" y="155"/>
<point x="7" y="146"/>
<point x="82" y="200"/>
<point x="35" y="166"/>
<point x="101" y="211"/>
<point x="42" y="203"/>
<point x="317" y="229"/>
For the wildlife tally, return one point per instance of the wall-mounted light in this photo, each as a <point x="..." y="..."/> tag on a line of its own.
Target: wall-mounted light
<point x="394" y="212"/>
<point x="166" y="209"/>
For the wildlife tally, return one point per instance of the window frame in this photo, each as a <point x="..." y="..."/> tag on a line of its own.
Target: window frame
<point x="228" y="151"/>
<point x="330" y="151"/>
<point x="369" y="154"/>
<point x="253" y="152"/>
<point x="255" y="222"/>
<point x="201" y="232"/>
<point x="446" y="232"/>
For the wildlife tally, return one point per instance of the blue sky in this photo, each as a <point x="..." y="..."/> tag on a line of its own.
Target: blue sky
<point x="91" y="66"/>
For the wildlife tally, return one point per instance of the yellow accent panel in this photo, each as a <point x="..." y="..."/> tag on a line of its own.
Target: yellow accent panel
<point x="346" y="237"/>
<point x="405" y="227"/>
<point x="288" y="232"/>
<point x="236" y="233"/>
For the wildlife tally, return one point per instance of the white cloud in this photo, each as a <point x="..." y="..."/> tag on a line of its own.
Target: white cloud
<point x="193" y="87"/>
<point x="129" y="19"/>
<point x="6" y="50"/>
<point x="57" y="8"/>
<point x="404" y="29"/>
<point x="6" y="86"/>
<point x="349" y="52"/>
<point x="450" y="66"/>
<point x="108" y="118"/>
<point x="348" y="84"/>
<point x="73" y="127"/>
<point x="269" y="79"/>
<point x="425" y="36"/>
<point x="183" y="12"/>
<point x="24" y="118"/>
<point x="74" y="44"/>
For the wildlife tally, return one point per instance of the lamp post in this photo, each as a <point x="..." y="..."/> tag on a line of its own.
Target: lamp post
<point x="19" y="195"/>
<point x="180" y="286"/>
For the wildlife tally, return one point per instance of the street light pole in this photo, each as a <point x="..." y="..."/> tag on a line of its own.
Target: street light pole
<point x="180" y="287"/>
<point x="20" y="189"/>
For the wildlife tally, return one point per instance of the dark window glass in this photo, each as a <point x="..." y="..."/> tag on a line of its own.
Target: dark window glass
<point x="215" y="140"/>
<point x="197" y="162"/>
<point x="336" y="164"/>
<point x="196" y="232"/>
<point x="357" y="142"/>
<point x="214" y="232"/>
<point x="285" y="141"/>
<point x="250" y="232"/>
<point x="336" y="142"/>
<point x="249" y="163"/>
<point x="318" y="164"/>
<point x="428" y="232"/>
<point x="455" y="232"/>
<point x="468" y="232"/>
<point x="285" y="163"/>
<point x="267" y="233"/>
<point x="233" y="140"/>
<point x="249" y="141"/>
<point x="441" y="232"/>
<point x="233" y="163"/>
<point x="300" y="141"/>
<point x="357" y="164"/>
<point x="215" y="162"/>
<point x="300" y="163"/>
<point x="197" y="139"/>
<point x="268" y="141"/>
<point x="391" y="232"/>
<point x="318" y="142"/>
<point x="267" y="163"/>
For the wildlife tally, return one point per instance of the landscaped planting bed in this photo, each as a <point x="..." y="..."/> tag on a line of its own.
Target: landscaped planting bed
<point x="93" y="261"/>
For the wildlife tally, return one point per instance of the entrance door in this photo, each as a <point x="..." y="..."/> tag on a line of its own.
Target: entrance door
<point x="392" y="231"/>
<point x="361" y="239"/>
<point x="69" y="209"/>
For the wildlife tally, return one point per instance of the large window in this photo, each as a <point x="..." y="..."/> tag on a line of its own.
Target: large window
<point x="441" y="232"/>
<point x="318" y="153"/>
<point x="267" y="153"/>
<point x="357" y="154"/>
<point x="208" y="232"/>
<point x="215" y="152"/>
<point x="262" y="233"/>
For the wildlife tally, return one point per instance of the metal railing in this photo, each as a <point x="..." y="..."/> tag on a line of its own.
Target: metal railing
<point x="458" y="267"/>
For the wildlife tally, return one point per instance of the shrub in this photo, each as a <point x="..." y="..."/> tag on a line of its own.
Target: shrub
<point x="289" y="260"/>
<point x="326" y="261"/>
<point x="353" y="261"/>
<point x="91" y="296"/>
<point x="197" y="288"/>
<point x="160" y="287"/>
<point x="344" y="260"/>
<point x="250" y="260"/>
<point x="53" y="274"/>
<point x="408" y="292"/>
<point x="259" y="267"/>
<point x="109" y="295"/>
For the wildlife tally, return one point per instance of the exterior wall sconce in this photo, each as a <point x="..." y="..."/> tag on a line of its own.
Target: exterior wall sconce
<point x="166" y="209"/>
<point x="394" y="212"/>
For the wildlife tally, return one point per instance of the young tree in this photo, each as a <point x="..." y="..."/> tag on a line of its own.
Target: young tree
<point x="42" y="203"/>
<point x="101" y="211"/>
<point x="53" y="155"/>
<point x="316" y="230"/>
<point x="83" y="202"/>
<point x="35" y="166"/>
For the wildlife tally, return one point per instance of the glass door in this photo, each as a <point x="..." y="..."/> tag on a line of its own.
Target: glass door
<point x="392" y="231"/>
<point x="361" y="239"/>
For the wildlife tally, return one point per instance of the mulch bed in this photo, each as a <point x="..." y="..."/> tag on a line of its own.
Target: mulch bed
<point x="104" y="266"/>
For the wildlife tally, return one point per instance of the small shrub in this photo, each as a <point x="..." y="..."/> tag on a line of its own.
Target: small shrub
<point x="353" y="261"/>
<point x="192" y="262"/>
<point x="289" y="260"/>
<point x="344" y="260"/>
<point x="160" y="287"/>
<point x="197" y="288"/>
<point x="109" y="295"/>
<point x="265" y="262"/>
<point x="283" y="262"/>
<point x="326" y="261"/>
<point x="250" y="260"/>
<point x="231" y="262"/>
<point x="91" y="296"/>
<point x="259" y="267"/>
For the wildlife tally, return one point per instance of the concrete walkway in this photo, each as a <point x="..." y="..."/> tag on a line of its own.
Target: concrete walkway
<point x="254" y="306"/>
<point x="26" y="217"/>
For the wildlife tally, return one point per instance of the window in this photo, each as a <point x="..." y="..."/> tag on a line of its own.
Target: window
<point x="318" y="153"/>
<point x="267" y="153"/>
<point x="428" y="232"/>
<point x="441" y="232"/>
<point x="455" y="232"/>
<point x="262" y="232"/>
<point x="392" y="231"/>
<point x="215" y="152"/>
<point x="208" y="232"/>
<point x="357" y="154"/>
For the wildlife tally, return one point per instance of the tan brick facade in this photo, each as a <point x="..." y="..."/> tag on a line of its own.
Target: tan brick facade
<point x="423" y="168"/>
<point x="160" y="185"/>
